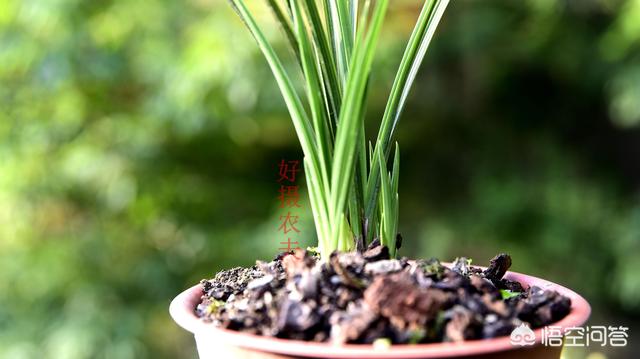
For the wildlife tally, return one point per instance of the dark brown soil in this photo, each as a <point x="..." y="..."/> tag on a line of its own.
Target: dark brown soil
<point x="360" y="297"/>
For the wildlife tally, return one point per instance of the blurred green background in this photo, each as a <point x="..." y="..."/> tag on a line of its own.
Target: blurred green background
<point x="139" y="144"/>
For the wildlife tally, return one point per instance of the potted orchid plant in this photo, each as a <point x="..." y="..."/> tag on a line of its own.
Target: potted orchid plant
<point x="353" y="296"/>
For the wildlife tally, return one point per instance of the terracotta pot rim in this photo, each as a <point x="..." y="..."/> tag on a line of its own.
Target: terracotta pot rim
<point x="182" y="311"/>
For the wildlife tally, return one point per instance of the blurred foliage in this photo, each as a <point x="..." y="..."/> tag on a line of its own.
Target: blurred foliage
<point x="139" y="143"/>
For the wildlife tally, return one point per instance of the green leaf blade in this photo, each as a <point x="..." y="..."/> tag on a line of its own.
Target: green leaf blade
<point x="350" y="119"/>
<point x="412" y="58"/>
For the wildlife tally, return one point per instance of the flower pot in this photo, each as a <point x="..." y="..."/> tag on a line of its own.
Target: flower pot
<point x="213" y="342"/>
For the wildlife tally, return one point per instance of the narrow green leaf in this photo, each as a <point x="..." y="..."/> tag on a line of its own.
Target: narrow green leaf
<point x="314" y="91"/>
<point x="345" y="232"/>
<point x="285" y="24"/>
<point x="361" y="173"/>
<point x="395" y="206"/>
<point x="299" y="117"/>
<point x="350" y="119"/>
<point x="332" y="85"/>
<point x="354" y="17"/>
<point x="355" y="218"/>
<point x="411" y="60"/>
<point x="369" y="221"/>
<point x="356" y="200"/>
<point x="320" y="213"/>
<point x="340" y="27"/>
<point x="387" y="213"/>
<point x="396" y="170"/>
<point x="294" y="105"/>
<point x="415" y="59"/>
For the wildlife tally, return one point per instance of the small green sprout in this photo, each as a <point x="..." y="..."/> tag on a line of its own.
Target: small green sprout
<point x="433" y="267"/>
<point x="214" y="306"/>
<point x="506" y="294"/>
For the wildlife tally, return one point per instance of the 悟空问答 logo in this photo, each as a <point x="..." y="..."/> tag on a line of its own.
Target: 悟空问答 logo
<point x="522" y="336"/>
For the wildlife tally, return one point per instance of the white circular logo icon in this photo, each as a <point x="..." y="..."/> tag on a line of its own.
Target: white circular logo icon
<point x="522" y="336"/>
